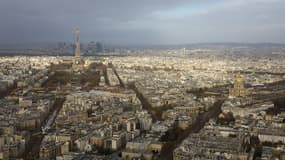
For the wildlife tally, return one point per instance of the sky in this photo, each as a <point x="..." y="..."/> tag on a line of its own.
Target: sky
<point x="142" y="21"/>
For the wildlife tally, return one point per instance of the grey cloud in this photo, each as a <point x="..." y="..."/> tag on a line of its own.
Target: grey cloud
<point x="137" y="22"/>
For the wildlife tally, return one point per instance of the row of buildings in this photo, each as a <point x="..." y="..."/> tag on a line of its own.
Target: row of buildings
<point x="100" y="122"/>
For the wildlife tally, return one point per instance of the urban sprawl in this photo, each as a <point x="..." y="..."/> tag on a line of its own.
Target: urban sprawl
<point x="222" y="103"/>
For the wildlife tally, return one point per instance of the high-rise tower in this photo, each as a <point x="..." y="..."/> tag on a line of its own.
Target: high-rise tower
<point x="78" y="62"/>
<point x="77" y="50"/>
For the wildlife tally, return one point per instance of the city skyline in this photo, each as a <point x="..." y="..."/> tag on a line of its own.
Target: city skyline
<point x="142" y="80"/>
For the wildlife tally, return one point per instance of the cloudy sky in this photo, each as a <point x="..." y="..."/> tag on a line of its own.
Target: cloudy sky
<point x="142" y="21"/>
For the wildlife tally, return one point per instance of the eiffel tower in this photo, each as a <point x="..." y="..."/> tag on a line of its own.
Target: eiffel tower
<point x="78" y="62"/>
